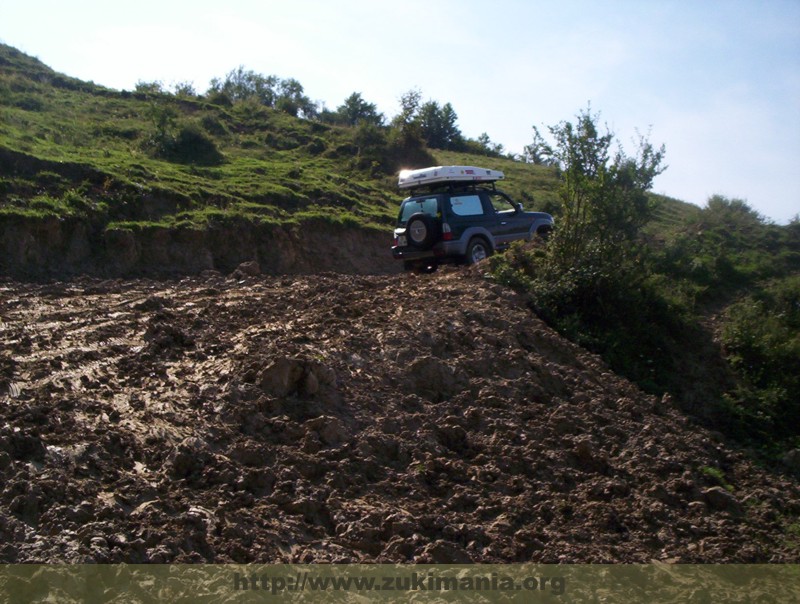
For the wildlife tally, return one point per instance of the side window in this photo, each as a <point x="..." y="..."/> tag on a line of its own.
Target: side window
<point x="466" y="205"/>
<point x="501" y="203"/>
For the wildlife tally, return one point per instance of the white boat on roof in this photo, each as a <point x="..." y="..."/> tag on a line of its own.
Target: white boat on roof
<point x="445" y="174"/>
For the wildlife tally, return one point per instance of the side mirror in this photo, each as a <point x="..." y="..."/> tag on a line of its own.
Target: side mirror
<point x="518" y="207"/>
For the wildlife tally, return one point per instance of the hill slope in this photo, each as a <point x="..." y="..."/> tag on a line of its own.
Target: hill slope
<point x="99" y="181"/>
<point x="95" y="180"/>
<point x="302" y="419"/>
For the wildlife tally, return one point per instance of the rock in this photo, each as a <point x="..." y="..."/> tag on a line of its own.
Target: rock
<point x="331" y="430"/>
<point x="718" y="498"/>
<point x="584" y="450"/>
<point x="247" y="269"/>
<point x="281" y="377"/>
<point x="433" y="378"/>
<point x="444" y="552"/>
<point x="792" y="461"/>
<point x="189" y="457"/>
<point x="166" y="339"/>
<point x="291" y="376"/>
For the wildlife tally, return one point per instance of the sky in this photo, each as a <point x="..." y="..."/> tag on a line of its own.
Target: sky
<point x="717" y="82"/>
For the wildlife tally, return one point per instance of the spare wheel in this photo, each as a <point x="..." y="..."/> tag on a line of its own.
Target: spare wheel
<point x="422" y="230"/>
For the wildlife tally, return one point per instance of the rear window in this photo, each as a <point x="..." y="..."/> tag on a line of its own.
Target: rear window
<point x="412" y="206"/>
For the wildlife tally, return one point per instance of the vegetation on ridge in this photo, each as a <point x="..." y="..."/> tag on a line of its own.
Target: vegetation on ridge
<point x="706" y="309"/>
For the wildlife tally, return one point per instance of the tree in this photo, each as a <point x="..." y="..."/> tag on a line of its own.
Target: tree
<point x="355" y="111"/>
<point x="409" y="106"/>
<point x="604" y="199"/>
<point x="489" y="147"/>
<point x="184" y="89"/>
<point x="150" y="88"/>
<point x="240" y="84"/>
<point x="438" y="125"/>
<point x="536" y="153"/>
<point x="291" y="99"/>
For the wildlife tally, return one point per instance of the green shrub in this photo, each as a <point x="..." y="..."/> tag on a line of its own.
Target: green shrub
<point x="193" y="146"/>
<point x="185" y="143"/>
<point x="761" y="336"/>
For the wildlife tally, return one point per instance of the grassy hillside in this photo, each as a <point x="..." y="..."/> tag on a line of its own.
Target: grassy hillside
<point x="74" y="148"/>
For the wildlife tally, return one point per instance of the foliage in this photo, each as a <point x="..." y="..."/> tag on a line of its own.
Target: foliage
<point x="761" y="336"/>
<point x="590" y="283"/>
<point x="355" y="111"/>
<point x="604" y="202"/>
<point x="242" y="85"/>
<point x="154" y="87"/>
<point x="725" y="248"/>
<point x="657" y="319"/>
<point x="409" y="109"/>
<point x="180" y="142"/>
<point x="488" y="147"/>
<point x="438" y="126"/>
<point x="430" y="122"/>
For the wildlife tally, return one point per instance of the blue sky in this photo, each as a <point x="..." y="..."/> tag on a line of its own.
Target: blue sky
<point x="717" y="82"/>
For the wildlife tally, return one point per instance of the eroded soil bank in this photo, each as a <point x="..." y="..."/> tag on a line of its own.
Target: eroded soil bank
<point x="51" y="247"/>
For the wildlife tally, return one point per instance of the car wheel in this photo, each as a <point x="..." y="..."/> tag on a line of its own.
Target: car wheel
<point x="422" y="231"/>
<point x="478" y="250"/>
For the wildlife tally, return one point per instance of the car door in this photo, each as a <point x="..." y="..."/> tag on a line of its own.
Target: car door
<point x="470" y="210"/>
<point x="511" y="222"/>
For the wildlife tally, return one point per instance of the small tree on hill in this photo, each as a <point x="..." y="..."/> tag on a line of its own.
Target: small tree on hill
<point x="292" y="100"/>
<point x="409" y="108"/>
<point x="438" y="125"/>
<point x="241" y="84"/>
<point x="604" y="200"/>
<point x="589" y="282"/>
<point x="355" y="111"/>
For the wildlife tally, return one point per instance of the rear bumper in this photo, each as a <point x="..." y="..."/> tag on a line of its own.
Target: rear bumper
<point x="406" y="253"/>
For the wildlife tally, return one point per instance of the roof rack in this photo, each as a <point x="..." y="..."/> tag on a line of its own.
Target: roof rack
<point x="409" y="179"/>
<point x="450" y="187"/>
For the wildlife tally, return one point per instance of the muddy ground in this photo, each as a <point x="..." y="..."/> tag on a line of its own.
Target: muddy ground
<point x="348" y="418"/>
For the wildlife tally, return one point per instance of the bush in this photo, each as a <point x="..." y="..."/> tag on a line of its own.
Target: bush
<point x="761" y="336"/>
<point x="184" y="143"/>
<point x="193" y="146"/>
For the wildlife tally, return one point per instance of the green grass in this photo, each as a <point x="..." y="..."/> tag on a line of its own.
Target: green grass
<point x="63" y="134"/>
<point x="717" y="476"/>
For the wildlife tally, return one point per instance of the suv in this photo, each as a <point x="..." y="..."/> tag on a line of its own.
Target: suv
<point x="456" y="214"/>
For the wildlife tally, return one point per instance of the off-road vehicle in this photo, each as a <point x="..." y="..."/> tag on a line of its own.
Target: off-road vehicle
<point x="457" y="214"/>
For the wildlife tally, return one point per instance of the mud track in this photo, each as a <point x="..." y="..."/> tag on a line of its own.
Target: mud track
<point x="347" y="418"/>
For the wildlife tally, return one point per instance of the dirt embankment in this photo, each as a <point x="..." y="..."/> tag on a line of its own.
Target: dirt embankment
<point x="52" y="247"/>
<point x="348" y="418"/>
